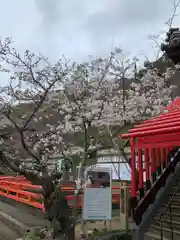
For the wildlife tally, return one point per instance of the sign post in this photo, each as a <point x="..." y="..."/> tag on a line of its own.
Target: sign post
<point x="124" y="200"/>
<point x="98" y="194"/>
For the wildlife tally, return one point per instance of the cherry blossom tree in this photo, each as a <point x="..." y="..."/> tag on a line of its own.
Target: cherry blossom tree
<point x="46" y="108"/>
<point x="23" y="101"/>
<point x="148" y="96"/>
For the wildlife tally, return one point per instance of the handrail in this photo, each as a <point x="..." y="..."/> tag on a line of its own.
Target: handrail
<point x="18" y="195"/>
<point x="150" y="195"/>
<point x="29" y="198"/>
<point x="35" y="199"/>
<point x="164" y="212"/>
<point x="21" y="190"/>
<point x="30" y="186"/>
<point x="19" y="185"/>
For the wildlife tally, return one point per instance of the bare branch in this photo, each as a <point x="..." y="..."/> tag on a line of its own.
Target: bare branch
<point x="176" y="4"/>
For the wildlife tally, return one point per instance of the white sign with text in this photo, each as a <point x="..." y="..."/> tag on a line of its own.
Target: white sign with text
<point x="98" y="194"/>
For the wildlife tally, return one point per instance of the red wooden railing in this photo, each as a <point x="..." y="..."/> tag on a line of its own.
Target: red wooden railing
<point x="21" y="190"/>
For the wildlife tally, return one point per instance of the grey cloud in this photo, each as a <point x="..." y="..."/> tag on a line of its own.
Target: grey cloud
<point x="98" y="21"/>
<point x="77" y="28"/>
<point x="49" y="12"/>
<point x="118" y="16"/>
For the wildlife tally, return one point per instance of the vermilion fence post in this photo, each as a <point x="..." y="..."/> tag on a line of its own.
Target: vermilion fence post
<point x="168" y="150"/>
<point x="158" y="159"/>
<point x="133" y="168"/>
<point x="146" y="159"/>
<point x="133" y="174"/>
<point x="163" y="151"/>
<point x="140" y="171"/>
<point x="166" y="155"/>
<point x="153" y="165"/>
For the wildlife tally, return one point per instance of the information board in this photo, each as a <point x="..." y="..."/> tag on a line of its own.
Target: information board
<point x="98" y="194"/>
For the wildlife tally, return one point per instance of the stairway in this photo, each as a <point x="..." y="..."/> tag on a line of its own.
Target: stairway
<point x="157" y="215"/>
<point x="166" y="221"/>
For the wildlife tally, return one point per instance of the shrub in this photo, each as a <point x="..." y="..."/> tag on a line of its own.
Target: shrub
<point x="114" y="235"/>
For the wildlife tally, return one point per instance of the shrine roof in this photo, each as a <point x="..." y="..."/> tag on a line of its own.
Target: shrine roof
<point x="168" y="121"/>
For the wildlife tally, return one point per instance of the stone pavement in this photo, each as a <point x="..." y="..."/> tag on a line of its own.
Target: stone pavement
<point x="29" y="216"/>
<point x="6" y="233"/>
<point x="32" y="217"/>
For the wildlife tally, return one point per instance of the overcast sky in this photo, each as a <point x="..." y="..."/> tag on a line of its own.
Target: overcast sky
<point x="78" y="28"/>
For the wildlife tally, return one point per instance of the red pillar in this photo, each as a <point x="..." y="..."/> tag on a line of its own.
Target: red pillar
<point x="133" y="168"/>
<point x="168" y="154"/>
<point x="140" y="171"/>
<point x="163" y="151"/>
<point x="133" y="176"/>
<point x="158" y="159"/>
<point x="153" y="165"/>
<point x="146" y="159"/>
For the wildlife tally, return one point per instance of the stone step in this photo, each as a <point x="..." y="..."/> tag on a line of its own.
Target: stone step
<point x="153" y="236"/>
<point x="173" y="193"/>
<point x="175" y="207"/>
<point x="167" y="223"/>
<point x="156" y="229"/>
<point x="174" y="187"/>
<point x="175" y="216"/>
<point x="175" y="204"/>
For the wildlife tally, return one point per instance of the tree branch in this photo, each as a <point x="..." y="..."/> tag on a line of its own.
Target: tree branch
<point x="21" y="133"/>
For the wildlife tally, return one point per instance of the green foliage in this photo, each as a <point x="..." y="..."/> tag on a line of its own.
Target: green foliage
<point x="31" y="236"/>
<point x="76" y="159"/>
<point x="113" y="235"/>
<point x="34" y="234"/>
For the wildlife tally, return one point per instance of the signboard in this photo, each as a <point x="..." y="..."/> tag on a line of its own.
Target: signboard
<point x="98" y="194"/>
<point x="59" y="165"/>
